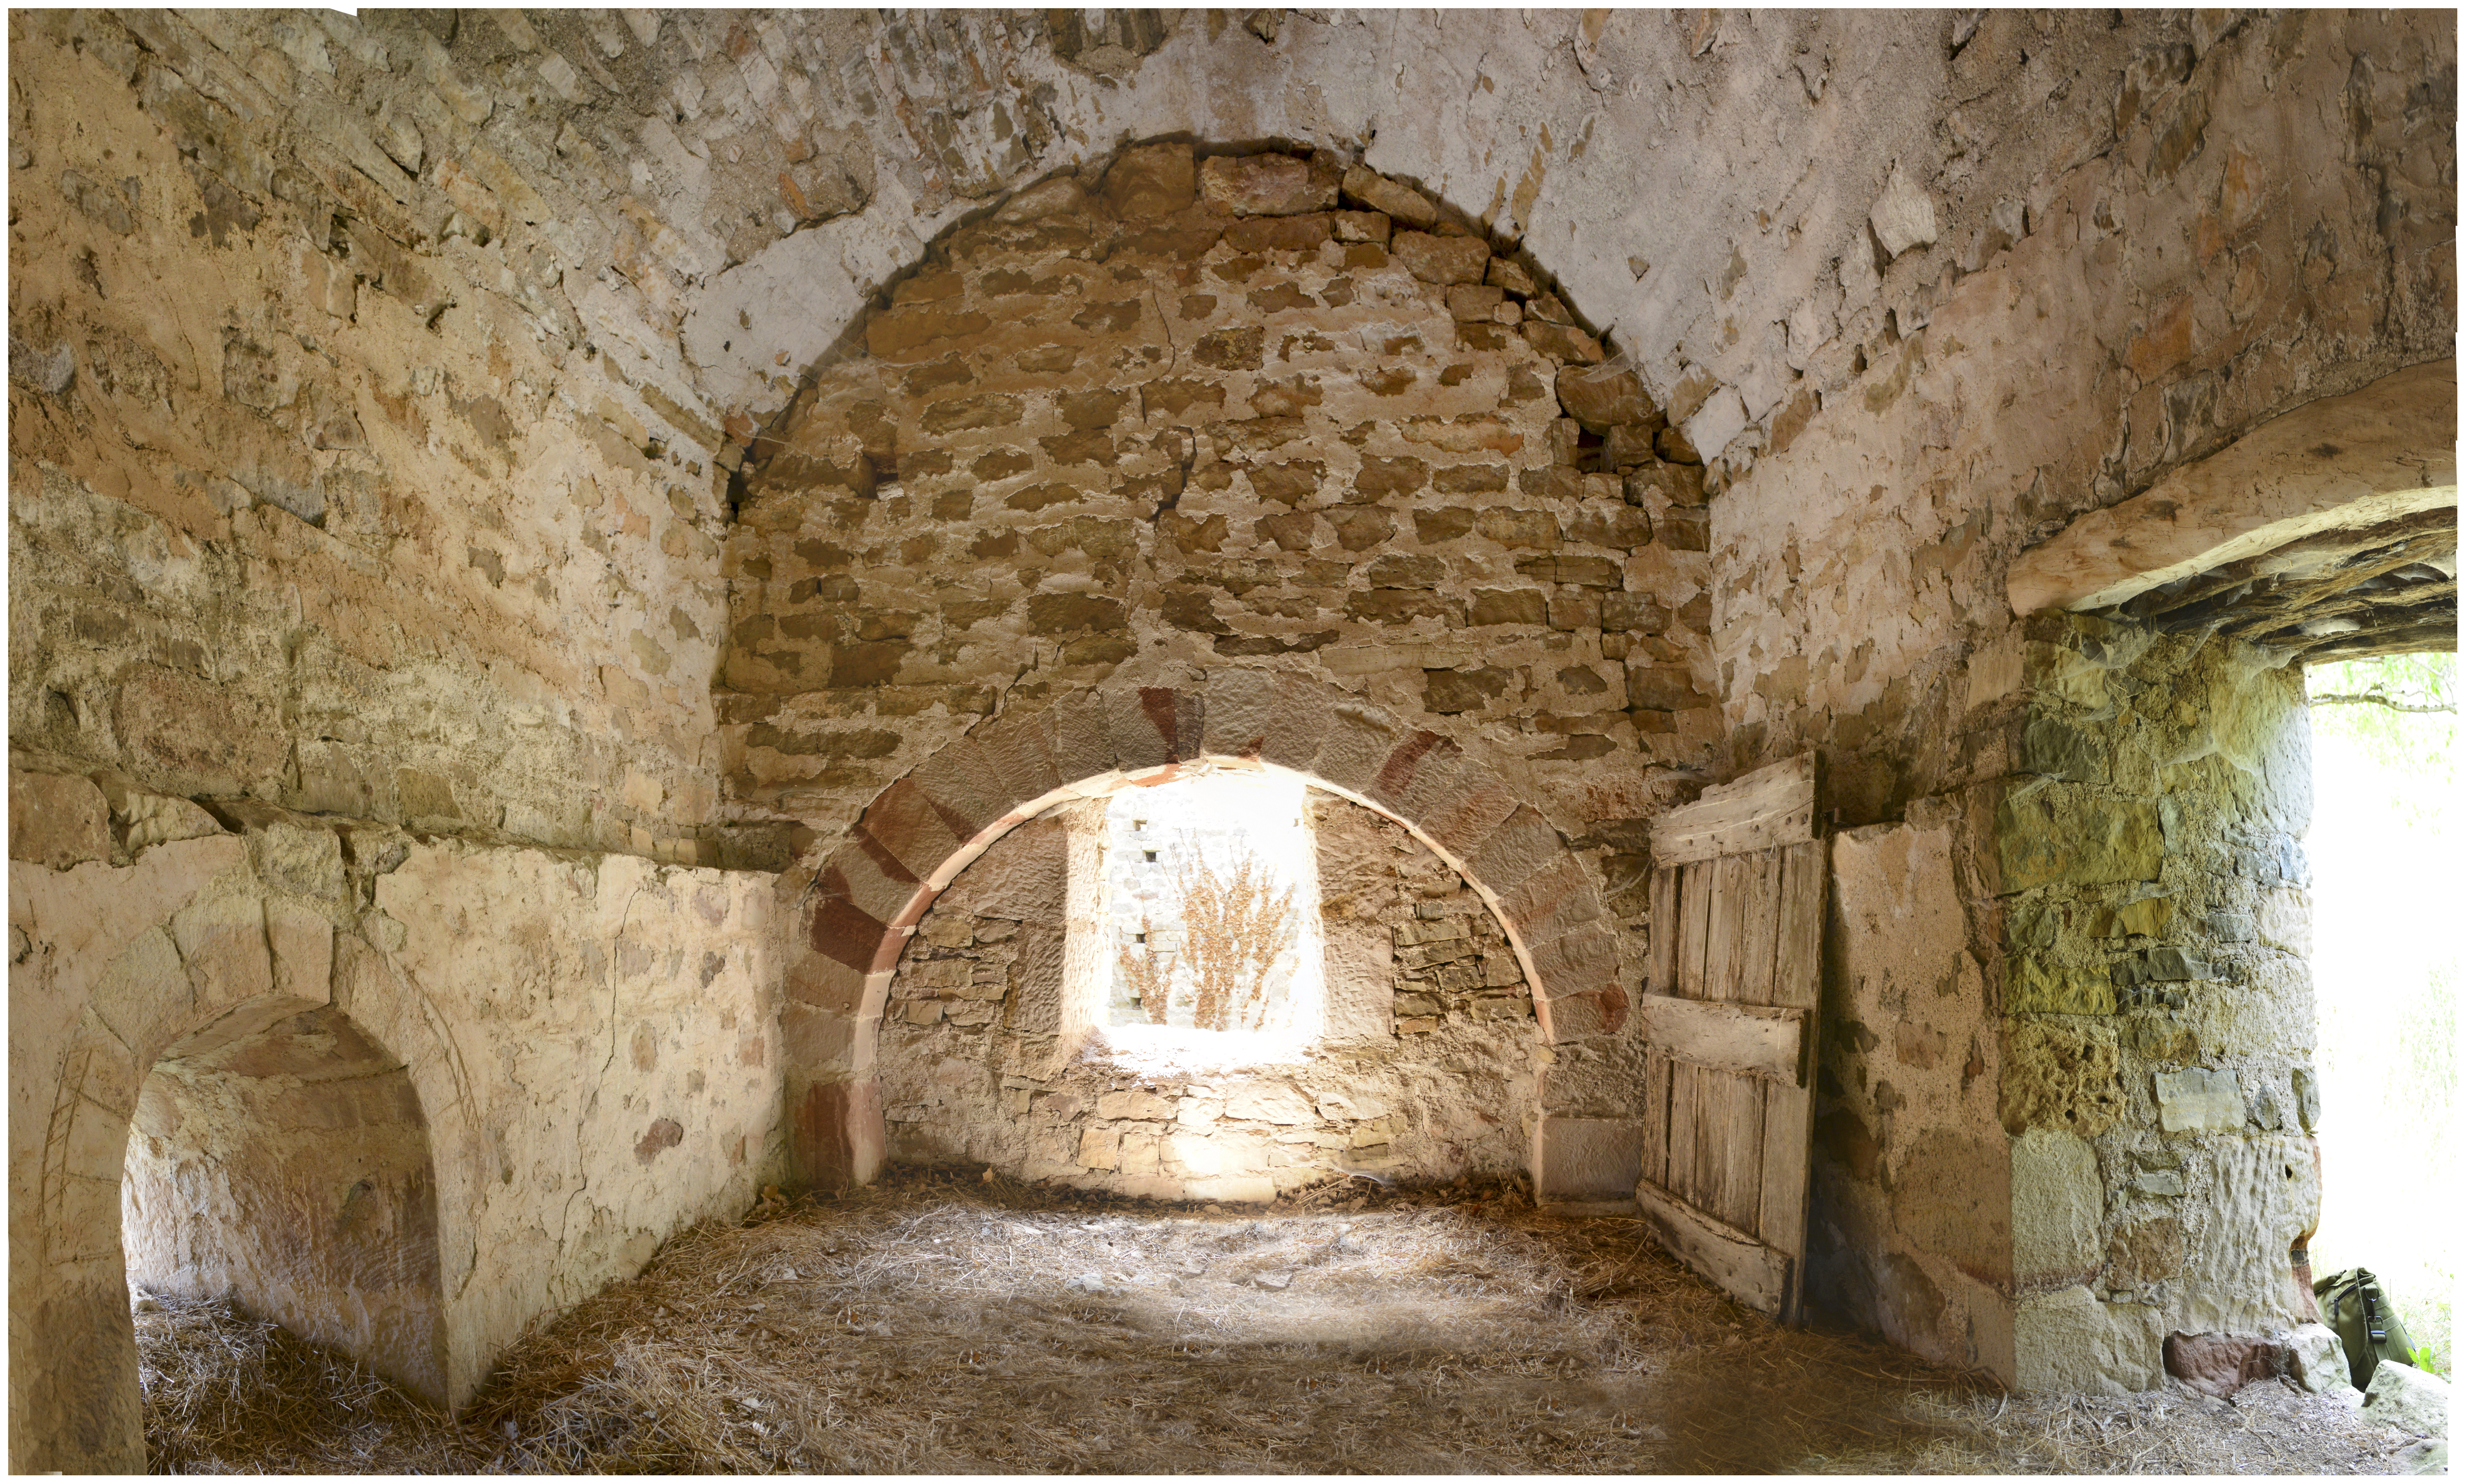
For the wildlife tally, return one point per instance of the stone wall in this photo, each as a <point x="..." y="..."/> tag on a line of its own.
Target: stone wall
<point x="2068" y="1098"/>
<point x="1174" y="412"/>
<point x="1424" y="1072"/>
<point x="321" y="491"/>
<point x="378" y="385"/>
<point x="590" y="1041"/>
<point x="2158" y="1009"/>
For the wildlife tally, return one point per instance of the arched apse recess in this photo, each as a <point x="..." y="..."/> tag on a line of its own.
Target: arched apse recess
<point x="916" y="836"/>
<point x="1402" y="1042"/>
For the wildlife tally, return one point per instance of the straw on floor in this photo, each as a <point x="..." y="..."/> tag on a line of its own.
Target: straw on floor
<point x="936" y="1323"/>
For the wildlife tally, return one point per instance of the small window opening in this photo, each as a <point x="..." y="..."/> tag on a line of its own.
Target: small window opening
<point x="1210" y="919"/>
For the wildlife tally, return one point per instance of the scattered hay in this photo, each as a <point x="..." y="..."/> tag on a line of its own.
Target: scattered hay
<point x="934" y="1324"/>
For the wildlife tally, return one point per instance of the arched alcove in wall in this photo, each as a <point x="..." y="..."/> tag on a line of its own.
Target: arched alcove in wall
<point x="1416" y="1064"/>
<point x="288" y="1169"/>
<point x="273" y="1154"/>
<point x="1180" y="424"/>
<point x="914" y="840"/>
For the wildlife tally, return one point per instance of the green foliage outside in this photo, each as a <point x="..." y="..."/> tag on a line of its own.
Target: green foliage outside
<point x="2387" y="892"/>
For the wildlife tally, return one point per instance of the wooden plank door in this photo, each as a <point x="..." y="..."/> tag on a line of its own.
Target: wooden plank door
<point x="1730" y="1009"/>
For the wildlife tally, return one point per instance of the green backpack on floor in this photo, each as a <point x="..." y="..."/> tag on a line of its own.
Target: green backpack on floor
<point x="2353" y="1306"/>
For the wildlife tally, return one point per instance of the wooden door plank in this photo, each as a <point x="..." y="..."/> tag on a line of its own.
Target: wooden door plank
<point x="1758" y="925"/>
<point x="1798" y="960"/>
<point x="1694" y="926"/>
<point x="1743" y="1151"/>
<point x="1656" y="1118"/>
<point x="1758" y="1276"/>
<point x="1721" y="934"/>
<point x="1790" y="1108"/>
<point x="1753" y="1039"/>
<point x="1682" y="1127"/>
<point x="1664" y="927"/>
<point x="1711" y="1127"/>
<point x="1771" y="806"/>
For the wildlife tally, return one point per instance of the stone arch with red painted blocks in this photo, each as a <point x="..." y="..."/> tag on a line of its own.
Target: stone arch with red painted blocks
<point x="918" y="834"/>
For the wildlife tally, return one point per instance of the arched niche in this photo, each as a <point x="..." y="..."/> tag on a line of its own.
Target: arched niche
<point x="287" y="1165"/>
<point x="918" y="835"/>
<point x="1407" y="1047"/>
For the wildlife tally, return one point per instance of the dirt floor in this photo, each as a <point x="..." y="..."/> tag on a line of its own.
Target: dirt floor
<point x="942" y="1324"/>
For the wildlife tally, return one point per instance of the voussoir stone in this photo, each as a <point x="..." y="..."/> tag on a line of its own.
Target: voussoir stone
<point x="1443" y="260"/>
<point x="1153" y="180"/>
<point x="1395" y="199"/>
<point x="1266" y="185"/>
<point x="1602" y="397"/>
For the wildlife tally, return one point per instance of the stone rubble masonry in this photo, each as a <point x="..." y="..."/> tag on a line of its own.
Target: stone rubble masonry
<point x="1424" y="1072"/>
<point x="333" y="493"/>
<point x="376" y="384"/>
<point x="629" y="1082"/>
<point x="2073" y="1115"/>
<point x="1194" y="427"/>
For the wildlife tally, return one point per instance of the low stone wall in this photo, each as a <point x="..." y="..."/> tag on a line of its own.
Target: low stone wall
<point x="590" y="1041"/>
<point x="1424" y="1071"/>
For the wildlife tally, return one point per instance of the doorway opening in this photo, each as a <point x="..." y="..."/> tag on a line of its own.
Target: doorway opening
<point x="285" y="1169"/>
<point x="2384" y="848"/>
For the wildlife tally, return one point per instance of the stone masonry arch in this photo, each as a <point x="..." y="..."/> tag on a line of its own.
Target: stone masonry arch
<point x="918" y="834"/>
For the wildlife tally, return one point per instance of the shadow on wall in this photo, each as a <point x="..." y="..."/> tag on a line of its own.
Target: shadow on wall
<point x="289" y="1168"/>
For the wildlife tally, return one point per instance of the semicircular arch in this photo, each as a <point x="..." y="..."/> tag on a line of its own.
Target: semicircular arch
<point x="918" y="834"/>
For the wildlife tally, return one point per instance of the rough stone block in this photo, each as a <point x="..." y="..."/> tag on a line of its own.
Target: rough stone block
<point x="2409" y="1399"/>
<point x="1581" y="962"/>
<point x="1080" y="730"/>
<point x="1586" y="1159"/>
<point x="1602" y="397"/>
<point x="1523" y="844"/>
<point x="1154" y="725"/>
<point x="57" y="819"/>
<point x="2317" y="1358"/>
<point x="2069" y="1341"/>
<point x="1020" y="752"/>
<point x="1269" y="1102"/>
<point x="1419" y="765"/>
<point x="2060" y="1075"/>
<point x="1564" y="344"/>
<point x="1393" y="198"/>
<point x="1358" y="742"/>
<point x="1153" y="180"/>
<point x="1266" y="185"/>
<point x="1557" y="898"/>
<point x="2158" y="966"/>
<point x="2035" y="986"/>
<point x="2220" y="1365"/>
<point x="2199" y="1098"/>
<point x="1278" y="718"/>
<point x="967" y="792"/>
<point x="1442" y="260"/>
<point x="2058" y="1207"/>
<point x="2071" y="835"/>
<point x="908" y="824"/>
